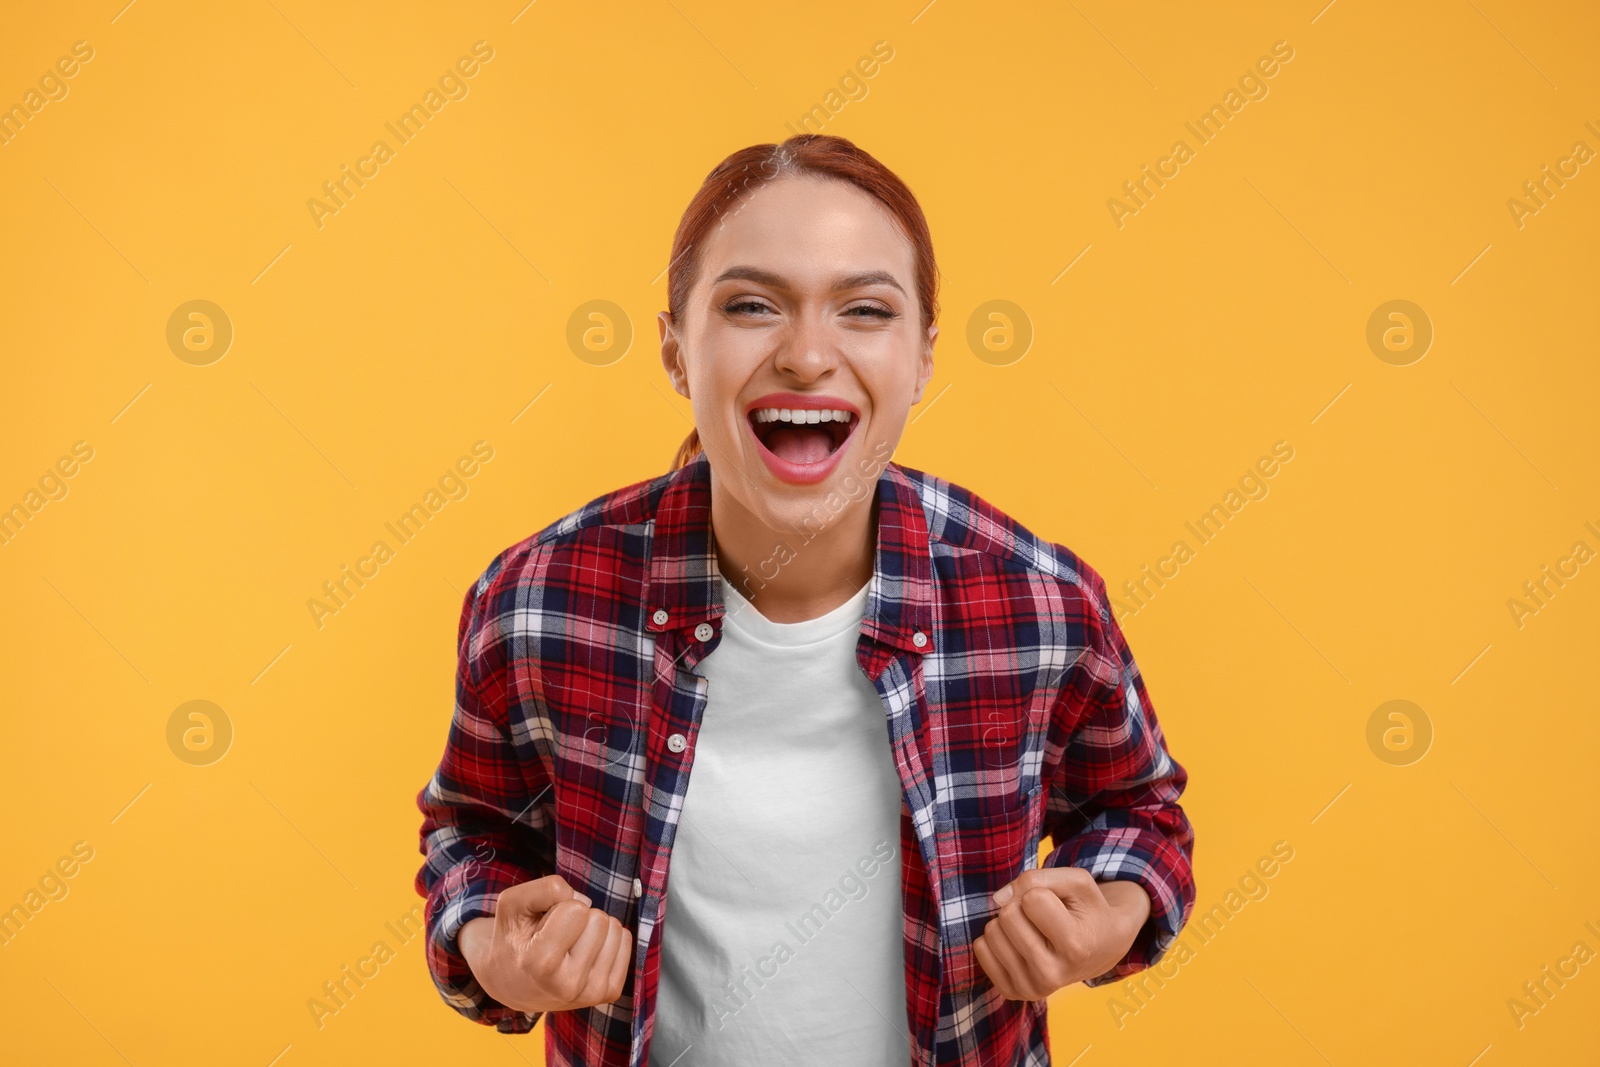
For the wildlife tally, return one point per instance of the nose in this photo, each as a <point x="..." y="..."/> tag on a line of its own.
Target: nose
<point x="807" y="349"/>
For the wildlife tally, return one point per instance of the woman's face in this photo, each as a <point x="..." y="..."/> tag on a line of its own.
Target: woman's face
<point x="804" y="303"/>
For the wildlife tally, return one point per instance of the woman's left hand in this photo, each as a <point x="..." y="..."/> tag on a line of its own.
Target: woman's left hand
<point x="1057" y="926"/>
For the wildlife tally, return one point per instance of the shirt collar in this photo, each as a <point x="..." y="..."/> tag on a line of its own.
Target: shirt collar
<point x="684" y="589"/>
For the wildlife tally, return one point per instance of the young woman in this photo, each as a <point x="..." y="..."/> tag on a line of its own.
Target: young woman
<point x="824" y="706"/>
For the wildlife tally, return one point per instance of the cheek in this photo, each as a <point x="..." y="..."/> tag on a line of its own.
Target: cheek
<point x="721" y="358"/>
<point x="888" y="373"/>
<point x="715" y="381"/>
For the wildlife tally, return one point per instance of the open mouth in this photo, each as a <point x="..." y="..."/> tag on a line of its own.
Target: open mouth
<point x="802" y="435"/>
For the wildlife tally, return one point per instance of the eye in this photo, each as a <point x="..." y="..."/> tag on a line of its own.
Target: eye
<point x="738" y="307"/>
<point x="873" y="311"/>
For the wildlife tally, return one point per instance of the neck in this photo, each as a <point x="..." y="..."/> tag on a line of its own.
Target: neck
<point x="794" y="576"/>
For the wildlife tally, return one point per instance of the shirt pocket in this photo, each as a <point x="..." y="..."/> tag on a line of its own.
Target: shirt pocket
<point x="987" y="840"/>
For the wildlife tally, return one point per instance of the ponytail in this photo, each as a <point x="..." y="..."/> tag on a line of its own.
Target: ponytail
<point x="687" y="451"/>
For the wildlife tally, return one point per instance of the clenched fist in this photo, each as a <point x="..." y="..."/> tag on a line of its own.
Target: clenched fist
<point x="546" y="949"/>
<point x="1057" y="926"/>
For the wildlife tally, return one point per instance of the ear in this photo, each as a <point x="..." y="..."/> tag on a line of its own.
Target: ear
<point x="925" y="365"/>
<point x="672" y="353"/>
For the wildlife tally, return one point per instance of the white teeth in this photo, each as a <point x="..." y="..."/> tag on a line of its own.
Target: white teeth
<point x="801" y="415"/>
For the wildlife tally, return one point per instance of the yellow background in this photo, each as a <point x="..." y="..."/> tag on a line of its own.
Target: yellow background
<point x="1227" y="314"/>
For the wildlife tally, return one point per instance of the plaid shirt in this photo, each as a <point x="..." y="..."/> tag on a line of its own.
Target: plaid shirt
<point x="1013" y="706"/>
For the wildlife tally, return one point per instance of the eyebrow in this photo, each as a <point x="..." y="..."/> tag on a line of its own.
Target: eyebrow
<point x="849" y="281"/>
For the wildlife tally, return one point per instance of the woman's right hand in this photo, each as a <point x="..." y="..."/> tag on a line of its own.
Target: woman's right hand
<point x="546" y="949"/>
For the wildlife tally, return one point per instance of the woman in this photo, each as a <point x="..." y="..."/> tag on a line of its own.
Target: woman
<point x="841" y="699"/>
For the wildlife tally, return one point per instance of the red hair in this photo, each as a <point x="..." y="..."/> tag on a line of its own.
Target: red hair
<point x="815" y="154"/>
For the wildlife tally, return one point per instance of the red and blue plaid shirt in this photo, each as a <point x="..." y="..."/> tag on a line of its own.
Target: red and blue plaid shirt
<point x="1013" y="706"/>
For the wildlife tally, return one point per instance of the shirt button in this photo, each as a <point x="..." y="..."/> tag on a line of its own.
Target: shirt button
<point x="677" y="743"/>
<point x="638" y="889"/>
<point x="660" y="617"/>
<point x="703" y="632"/>
<point x="919" y="639"/>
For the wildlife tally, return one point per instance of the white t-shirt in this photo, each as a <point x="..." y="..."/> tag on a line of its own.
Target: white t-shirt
<point x="783" y="939"/>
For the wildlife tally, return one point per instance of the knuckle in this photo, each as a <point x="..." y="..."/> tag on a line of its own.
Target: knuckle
<point x="1074" y="946"/>
<point x="540" y="963"/>
<point x="1053" y="974"/>
<point x="567" y="987"/>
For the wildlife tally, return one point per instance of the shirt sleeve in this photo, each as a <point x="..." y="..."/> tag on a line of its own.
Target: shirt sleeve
<point x="1112" y="801"/>
<point x="485" y="823"/>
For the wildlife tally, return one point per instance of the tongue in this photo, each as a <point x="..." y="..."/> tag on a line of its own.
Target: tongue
<point x="799" y="444"/>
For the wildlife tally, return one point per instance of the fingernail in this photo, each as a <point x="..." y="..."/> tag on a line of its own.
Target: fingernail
<point x="586" y="901"/>
<point x="1004" y="895"/>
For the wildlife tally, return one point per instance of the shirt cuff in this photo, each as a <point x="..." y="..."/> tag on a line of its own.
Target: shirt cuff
<point x="1149" y="858"/>
<point x="457" y="902"/>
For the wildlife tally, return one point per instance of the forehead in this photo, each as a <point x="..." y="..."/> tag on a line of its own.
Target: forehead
<point x="809" y="229"/>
